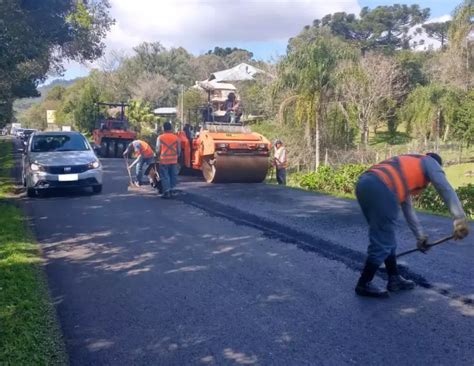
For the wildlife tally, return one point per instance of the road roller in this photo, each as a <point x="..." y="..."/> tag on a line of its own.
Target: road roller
<point x="225" y="152"/>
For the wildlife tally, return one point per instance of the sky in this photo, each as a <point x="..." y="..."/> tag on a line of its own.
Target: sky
<point x="260" y="26"/>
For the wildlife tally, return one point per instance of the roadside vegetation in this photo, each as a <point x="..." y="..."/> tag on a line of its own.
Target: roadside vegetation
<point x="352" y="89"/>
<point x="29" y="332"/>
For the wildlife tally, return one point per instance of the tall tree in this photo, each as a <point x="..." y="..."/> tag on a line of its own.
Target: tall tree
<point x="36" y="36"/>
<point x="438" y="31"/>
<point x="385" y="27"/>
<point x="368" y="88"/>
<point x="309" y="71"/>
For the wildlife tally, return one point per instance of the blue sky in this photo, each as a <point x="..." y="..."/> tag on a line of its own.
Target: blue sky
<point x="259" y="28"/>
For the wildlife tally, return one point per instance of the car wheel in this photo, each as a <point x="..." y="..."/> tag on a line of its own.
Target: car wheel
<point x="97" y="189"/>
<point x="30" y="192"/>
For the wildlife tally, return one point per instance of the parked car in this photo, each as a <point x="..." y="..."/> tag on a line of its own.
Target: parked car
<point x="19" y="132"/>
<point x="26" y="134"/>
<point x="60" y="159"/>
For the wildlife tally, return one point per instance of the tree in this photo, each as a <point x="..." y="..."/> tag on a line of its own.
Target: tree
<point x="85" y="110"/>
<point x="430" y="110"/>
<point x="37" y="35"/>
<point x="438" y="31"/>
<point x="309" y="72"/>
<point x="151" y="88"/>
<point x="463" y="124"/>
<point x="141" y="117"/>
<point x="385" y="27"/>
<point x="368" y="89"/>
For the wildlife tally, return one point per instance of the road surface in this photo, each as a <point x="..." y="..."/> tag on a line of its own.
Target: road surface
<point x="241" y="275"/>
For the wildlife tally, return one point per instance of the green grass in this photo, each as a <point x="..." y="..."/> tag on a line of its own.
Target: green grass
<point x="29" y="332"/>
<point x="456" y="174"/>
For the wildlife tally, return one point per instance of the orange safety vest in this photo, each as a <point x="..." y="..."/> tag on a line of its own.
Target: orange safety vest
<point x="144" y="149"/>
<point x="402" y="174"/>
<point x="168" y="148"/>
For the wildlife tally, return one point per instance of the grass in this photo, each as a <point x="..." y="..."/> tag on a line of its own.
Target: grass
<point x="456" y="174"/>
<point x="29" y="332"/>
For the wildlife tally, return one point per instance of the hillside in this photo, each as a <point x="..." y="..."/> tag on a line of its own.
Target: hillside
<point x="21" y="105"/>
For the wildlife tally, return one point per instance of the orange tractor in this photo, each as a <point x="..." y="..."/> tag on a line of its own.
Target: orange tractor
<point x="223" y="151"/>
<point x="112" y="135"/>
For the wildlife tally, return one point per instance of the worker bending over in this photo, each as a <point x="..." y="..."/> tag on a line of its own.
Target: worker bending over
<point x="144" y="156"/>
<point x="168" y="149"/>
<point x="280" y="162"/>
<point x="380" y="191"/>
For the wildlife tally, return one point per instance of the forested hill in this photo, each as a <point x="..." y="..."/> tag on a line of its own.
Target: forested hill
<point x="21" y="105"/>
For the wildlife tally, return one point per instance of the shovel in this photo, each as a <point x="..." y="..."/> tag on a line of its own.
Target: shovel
<point x="438" y="242"/>
<point x="130" y="183"/>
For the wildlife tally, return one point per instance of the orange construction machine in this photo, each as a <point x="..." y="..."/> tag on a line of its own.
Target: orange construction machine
<point x="223" y="151"/>
<point x="112" y="134"/>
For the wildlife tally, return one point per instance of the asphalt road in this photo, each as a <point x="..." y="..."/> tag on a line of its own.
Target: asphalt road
<point x="241" y="274"/>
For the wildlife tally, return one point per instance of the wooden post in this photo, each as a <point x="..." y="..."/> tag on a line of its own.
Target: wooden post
<point x="326" y="158"/>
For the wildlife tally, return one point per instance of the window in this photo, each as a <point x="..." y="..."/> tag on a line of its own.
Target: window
<point x="54" y="143"/>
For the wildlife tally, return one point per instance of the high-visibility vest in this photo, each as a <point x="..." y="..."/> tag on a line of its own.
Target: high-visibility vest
<point x="403" y="175"/>
<point x="168" y="148"/>
<point x="143" y="148"/>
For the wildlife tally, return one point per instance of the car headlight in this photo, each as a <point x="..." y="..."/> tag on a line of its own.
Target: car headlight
<point x="36" y="167"/>
<point x="94" y="165"/>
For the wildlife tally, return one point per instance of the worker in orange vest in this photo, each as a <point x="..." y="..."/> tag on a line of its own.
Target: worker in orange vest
<point x="168" y="150"/>
<point x="144" y="157"/>
<point x="380" y="191"/>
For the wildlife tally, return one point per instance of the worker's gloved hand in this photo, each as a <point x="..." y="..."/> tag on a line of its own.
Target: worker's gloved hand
<point x="461" y="229"/>
<point x="422" y="243"/>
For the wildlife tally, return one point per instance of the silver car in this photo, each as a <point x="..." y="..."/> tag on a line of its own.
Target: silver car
<point x="60" y="160"/>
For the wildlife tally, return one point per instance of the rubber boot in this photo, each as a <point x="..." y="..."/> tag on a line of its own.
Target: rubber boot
<point x="395" y="281"/>
<point x="365" y="287"/>
<point x="398" y="283"/>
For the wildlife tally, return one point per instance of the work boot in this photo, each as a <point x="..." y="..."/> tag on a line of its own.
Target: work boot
<point x="398" y="283"/>
<point x="364" y="285"/>
<point x="370" y="290"/>
<point x="166" y="195"/>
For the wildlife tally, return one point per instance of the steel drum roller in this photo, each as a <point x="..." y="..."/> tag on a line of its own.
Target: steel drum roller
<point x="235" y="168"/>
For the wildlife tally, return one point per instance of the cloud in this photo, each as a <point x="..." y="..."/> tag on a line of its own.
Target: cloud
<point x="203" y="24"/>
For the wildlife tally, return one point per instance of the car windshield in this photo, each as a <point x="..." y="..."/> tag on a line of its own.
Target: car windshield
<point x="48" y="143"/>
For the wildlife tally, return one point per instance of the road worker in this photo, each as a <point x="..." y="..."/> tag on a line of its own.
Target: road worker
<point x="144" y="156"/>
<point x="380" y="191"/>
<point x="279" y="161"/>
<point x="168" y="149"/>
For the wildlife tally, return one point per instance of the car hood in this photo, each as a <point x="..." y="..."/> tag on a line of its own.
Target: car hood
<point x="63" y="158"/>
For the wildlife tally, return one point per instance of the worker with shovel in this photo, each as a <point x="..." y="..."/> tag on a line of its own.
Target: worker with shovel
<point x="144" y="157"/>
<point x="380" y="191"/>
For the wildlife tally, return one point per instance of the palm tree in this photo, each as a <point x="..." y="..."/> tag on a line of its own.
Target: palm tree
<point x="308" y="71"/>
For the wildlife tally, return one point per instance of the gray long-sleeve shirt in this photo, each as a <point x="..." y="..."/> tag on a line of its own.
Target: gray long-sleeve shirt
<point x="435" y="174"/>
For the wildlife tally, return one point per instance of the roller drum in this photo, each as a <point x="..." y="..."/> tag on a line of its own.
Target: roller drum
<point x="235" y="169"/>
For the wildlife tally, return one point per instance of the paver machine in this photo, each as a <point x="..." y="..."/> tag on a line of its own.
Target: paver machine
<point x="112" y="134"/>
<point x="223" y="151"/>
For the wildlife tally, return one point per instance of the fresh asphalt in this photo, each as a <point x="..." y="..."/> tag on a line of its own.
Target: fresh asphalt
<point x="241" y="274"/>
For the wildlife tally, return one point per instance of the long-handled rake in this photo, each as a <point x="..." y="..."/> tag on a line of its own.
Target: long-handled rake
<point x="431" y="245"/>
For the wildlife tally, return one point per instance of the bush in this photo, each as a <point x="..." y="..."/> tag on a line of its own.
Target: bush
<point x="326" y="179"/>
<point x="430" y="200"/>
<point x="342" y="181"/>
